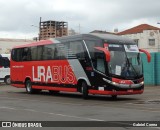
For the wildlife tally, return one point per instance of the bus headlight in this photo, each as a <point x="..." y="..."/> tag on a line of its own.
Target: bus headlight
<point x="142" y="83"/>
<point x="114" y="83"/>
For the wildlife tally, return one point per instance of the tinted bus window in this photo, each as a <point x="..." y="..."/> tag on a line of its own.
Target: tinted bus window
<point x="99" y="61"/>
<point x="97" y="57"/>
<point x="69" y="52"/>
<point x="26" y="54"/>
<point x="91" y="45"/>
<point x="77" y="48"/>
<point x="17" y="54"/>
<point x="39" y="52"/>
<point x="4" y="61"/>
<point x="34" y="53"/>
<point x="60" y="51"/>
<point x="48" y="52"/>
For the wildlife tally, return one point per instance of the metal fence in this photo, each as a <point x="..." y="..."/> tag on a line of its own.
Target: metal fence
<point x="151" y="70"/>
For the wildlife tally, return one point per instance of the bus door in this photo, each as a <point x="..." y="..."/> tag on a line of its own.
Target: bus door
<point x="17" y="67"/>
<point x="97" y="58"/>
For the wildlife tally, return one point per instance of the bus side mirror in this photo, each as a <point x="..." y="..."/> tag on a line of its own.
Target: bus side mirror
<point x="106" y="52"/>
<point x="147" y="54"/>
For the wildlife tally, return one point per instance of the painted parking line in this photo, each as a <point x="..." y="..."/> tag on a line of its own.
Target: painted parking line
<point x="139" y="107"/>
<point x="50" y="113"/>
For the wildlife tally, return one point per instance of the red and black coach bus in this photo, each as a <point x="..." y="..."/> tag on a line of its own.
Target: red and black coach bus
<point x="87" y="63"/>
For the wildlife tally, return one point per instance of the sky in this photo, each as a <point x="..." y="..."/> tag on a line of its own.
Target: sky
<point x="18" y="16"/>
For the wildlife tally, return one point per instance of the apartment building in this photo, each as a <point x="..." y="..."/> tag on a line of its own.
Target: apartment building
<point x="52" y="29"/>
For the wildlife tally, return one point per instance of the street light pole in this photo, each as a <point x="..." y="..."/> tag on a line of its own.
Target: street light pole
<point x="38" y="33"/>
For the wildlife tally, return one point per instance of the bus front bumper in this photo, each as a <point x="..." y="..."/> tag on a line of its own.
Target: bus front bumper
<point x="114" y="92"/>
<point x="125" y="86"/>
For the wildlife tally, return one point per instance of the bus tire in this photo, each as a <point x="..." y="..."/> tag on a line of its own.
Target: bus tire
<point x="52" y="92"/>
<point x="29" y="88"/>
<point x="114" y="97"/>
<point x="7" y="80"/>
<point x="84" y="90"/>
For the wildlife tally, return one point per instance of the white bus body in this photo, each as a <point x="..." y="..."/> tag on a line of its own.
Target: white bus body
<point x="5" y="68"/>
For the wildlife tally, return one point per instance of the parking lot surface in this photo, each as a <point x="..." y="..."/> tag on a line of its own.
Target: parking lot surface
<point x="17" y="105"/>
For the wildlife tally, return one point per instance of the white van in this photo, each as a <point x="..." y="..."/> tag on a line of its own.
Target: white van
<point x="5" y="68"/>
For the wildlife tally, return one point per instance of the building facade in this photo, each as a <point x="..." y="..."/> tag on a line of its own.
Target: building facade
<point x="146" y="36"/>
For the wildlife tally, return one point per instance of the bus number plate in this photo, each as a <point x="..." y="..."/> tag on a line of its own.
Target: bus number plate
<point x="101" y="88"/>
<point x="130" y="90"/>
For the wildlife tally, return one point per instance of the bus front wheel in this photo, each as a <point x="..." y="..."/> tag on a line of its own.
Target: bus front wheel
<point x="84" y="90"/>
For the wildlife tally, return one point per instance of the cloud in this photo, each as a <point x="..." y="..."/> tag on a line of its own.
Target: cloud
<point x="17" y="16"/>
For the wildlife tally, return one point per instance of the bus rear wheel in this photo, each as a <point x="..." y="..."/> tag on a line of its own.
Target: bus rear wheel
<point x="28" y="85"/>
<point x="7" y="80"/>
<point x="52" y="92"/>
<point x="29" y="88"/>
<point x="84" y="87"/>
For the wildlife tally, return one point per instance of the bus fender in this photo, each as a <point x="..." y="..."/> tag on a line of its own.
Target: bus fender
<point x="85" y="79"/>
<point x="27" y="78"/>
<point x="80" y="80"/>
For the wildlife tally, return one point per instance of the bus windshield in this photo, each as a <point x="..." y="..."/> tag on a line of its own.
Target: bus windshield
<point x="125" y="61"/>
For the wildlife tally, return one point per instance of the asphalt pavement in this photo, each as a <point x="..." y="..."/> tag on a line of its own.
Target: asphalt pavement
<point x="17" y="105"/>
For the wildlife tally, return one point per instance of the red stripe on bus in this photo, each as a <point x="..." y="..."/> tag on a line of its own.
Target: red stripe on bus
<point x="55" y="88"/>
<point x="19" y="85"/>
<point x="115" y="92"/>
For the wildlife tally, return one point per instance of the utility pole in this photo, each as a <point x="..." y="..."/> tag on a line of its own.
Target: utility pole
<point x="79" y="28"/>
<point x="40" y="28"/>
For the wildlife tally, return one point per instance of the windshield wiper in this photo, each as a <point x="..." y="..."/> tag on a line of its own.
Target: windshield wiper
<point x="129" y="64"/>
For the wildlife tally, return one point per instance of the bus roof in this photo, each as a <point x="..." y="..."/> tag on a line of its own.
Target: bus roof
<point x="42" y="42"/>
<point x="106" y="37"/>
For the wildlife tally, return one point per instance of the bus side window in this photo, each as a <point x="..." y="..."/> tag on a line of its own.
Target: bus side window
<point x="39" y="52"/>
<point x="26" y="55"/>
<point x="55" y="53"/>
<point x="99" y="63"/>
<point x="60" y="51"/>
<point x="77" y="49"/>
<point x="34" y="53"/>
<point x="17" y="54"/>
<point x="47" y="53"/>
<point x="6" y="62"/>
